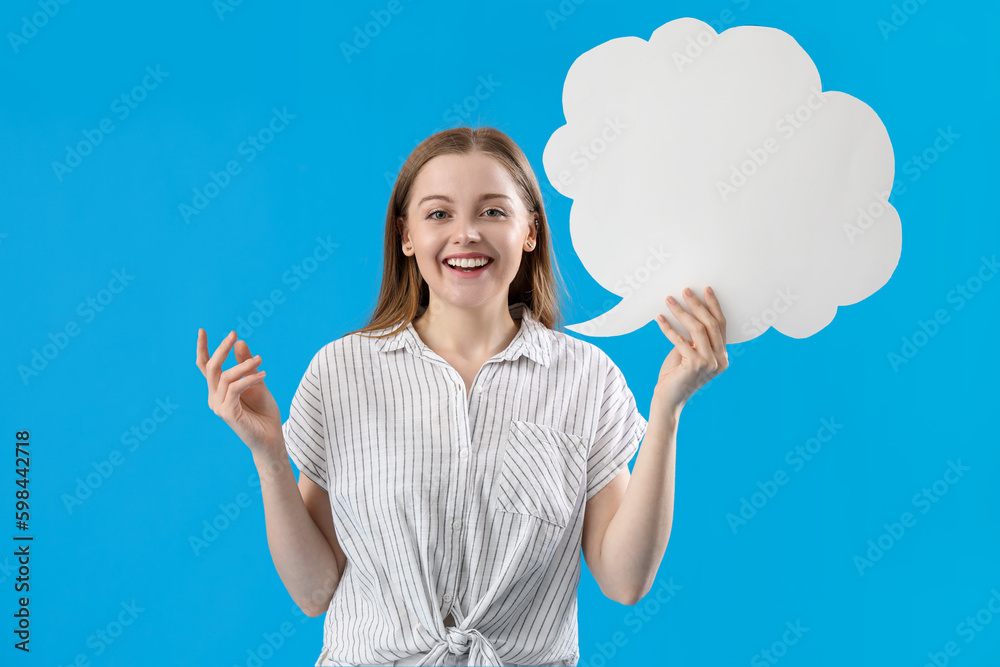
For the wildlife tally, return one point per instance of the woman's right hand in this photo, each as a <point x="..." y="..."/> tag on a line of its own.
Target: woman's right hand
<point x="239" y="395"/>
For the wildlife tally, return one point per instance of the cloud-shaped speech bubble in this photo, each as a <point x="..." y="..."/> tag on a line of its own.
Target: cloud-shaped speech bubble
<point x="702" y="158"/>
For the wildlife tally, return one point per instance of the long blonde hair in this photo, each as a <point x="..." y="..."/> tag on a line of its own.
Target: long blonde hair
<point x="404" y="290"/>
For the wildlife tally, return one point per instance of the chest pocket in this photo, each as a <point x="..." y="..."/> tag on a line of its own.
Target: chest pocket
<point x="542" y="472"/>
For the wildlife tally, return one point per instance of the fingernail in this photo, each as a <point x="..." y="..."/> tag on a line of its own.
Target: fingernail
<point x="671" y="299"/>
<point x="687" y="290"/>
<point x="710" y="291"/>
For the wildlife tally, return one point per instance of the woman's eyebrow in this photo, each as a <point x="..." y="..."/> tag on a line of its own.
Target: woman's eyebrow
<point x="450" y="201"/>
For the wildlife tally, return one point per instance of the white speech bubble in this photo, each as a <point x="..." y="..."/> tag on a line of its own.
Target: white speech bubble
<point x="702" y="158"/>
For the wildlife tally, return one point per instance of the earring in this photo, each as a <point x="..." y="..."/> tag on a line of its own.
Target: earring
<point x="531" y="244"/>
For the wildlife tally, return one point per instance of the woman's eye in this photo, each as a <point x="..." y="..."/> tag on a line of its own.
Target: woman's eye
<point x="501" y="213"/>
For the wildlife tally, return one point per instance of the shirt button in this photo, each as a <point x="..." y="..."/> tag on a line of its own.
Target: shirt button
<point x="479" y="390"/>
<point x="447" y="597"/>
<point x="456" y="524"/>
<point x="464" y="453"/>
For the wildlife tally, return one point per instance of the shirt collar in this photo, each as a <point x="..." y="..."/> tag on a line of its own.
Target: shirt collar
<point x="533" y="339"/>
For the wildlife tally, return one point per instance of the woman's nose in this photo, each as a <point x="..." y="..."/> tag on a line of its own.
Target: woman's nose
<point x="467" y="227"/>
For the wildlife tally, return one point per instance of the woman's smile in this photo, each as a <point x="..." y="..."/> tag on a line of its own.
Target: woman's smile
<point x="468" y="272"/>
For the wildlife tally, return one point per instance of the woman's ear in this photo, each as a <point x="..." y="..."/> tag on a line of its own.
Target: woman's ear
<point x="405" y="236"/>
<point x="532" y="239"/>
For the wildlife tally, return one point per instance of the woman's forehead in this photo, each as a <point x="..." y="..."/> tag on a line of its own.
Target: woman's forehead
<point x="465" y="177"/>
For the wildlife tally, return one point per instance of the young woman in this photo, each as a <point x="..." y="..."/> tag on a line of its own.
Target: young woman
<point x="457" y="452"/>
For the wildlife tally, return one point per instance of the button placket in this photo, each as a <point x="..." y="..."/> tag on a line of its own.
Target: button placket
<point x="466" y="423"/>
<point x="465" y="438"/>
<point x="469" y="418"/>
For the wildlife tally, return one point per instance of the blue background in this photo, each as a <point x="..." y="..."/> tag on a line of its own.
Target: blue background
<point x="328" y="174"/>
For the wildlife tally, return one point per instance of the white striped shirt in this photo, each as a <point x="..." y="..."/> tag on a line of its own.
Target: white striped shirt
<point x="469" y="504"/>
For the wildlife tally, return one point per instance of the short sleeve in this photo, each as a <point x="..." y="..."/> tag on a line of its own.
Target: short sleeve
<point x="620" y="428"/>
<point x="305" y="428"/>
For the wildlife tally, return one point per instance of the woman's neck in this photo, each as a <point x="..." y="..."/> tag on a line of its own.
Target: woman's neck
<point x="470" y="333"/>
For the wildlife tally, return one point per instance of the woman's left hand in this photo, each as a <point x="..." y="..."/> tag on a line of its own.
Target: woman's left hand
<point x="691" y="364"/>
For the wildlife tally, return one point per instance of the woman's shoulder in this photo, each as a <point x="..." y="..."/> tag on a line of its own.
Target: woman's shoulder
<point x="354" y="346"/>
<point x="584" y="358"/>
<point x="563" y="342"/>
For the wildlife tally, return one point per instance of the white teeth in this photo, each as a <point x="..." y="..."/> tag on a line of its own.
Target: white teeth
<point x="468" y="263"/>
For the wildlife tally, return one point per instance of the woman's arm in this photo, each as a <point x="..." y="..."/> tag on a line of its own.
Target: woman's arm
<point x="302" y="554"/>
<point x="636" y="538"/>
<point x="299" y="528"/>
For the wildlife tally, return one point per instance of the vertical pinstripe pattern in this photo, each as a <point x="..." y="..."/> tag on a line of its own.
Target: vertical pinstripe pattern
<point x="469" y="504"/>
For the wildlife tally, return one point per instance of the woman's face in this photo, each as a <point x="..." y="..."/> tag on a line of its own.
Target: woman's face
<point x="467" y="205"/>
